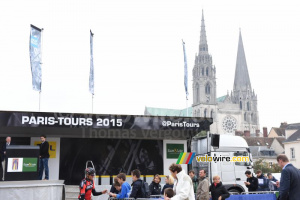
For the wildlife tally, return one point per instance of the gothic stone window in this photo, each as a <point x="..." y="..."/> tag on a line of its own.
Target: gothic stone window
<point x="197" y="93"/>
<point x="212" y="113"/>
<point x="205" y="112"/>
<point x="207" y="88"/>
<point x="248" y="105"/>
<point x="207" y="71"/>
<point x="241" y="105"/>
<point x="202" y="71"/>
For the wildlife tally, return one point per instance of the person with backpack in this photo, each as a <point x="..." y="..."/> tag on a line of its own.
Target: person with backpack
<point x="137" y="185"/>
<point x="155" y="187"/>
<point x="87" y="186"/>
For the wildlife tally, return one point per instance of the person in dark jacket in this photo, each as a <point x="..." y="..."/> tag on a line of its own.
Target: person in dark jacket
<point x="272" y="182"/>
<point x="169" y="183"/>
<point x="218" y="191"/>
<point x="44" y="158"/>
<point x="251" y="182"/>
<point x="137" y="184"/>
<point x="262" y="181"/>
<point x="289" y="187"/>
<point x="155" y="187"/>
<point x="194" y="179"/>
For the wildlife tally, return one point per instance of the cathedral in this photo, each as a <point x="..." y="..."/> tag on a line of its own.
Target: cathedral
<point x="233" y="113"/>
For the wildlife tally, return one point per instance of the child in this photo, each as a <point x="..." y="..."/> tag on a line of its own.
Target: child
<point x="169" y="193"/>
<point x="125" y="187"/>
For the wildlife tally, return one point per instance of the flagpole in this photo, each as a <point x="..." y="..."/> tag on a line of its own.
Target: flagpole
<point x="92" y="103"/>
<point x="41" y="68"/>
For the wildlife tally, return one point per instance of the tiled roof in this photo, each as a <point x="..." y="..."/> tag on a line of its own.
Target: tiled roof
<point x="259" y="141"/>
<point x="293" y="126"/>
<point x="294" y="137"/>
<point x="187" y="112"/>
<point x="222" y="98"/>
<point x="279" y="131"/>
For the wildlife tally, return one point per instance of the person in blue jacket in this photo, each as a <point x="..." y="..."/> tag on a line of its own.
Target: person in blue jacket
<point x="262" y="181"/>
<point x="125" y="187"/>
<point x="272" y="182"/>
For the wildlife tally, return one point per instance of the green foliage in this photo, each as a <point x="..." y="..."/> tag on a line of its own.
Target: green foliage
<point x="264" y="166"/>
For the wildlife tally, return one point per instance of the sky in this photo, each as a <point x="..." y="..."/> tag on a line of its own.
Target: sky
<point x="138" y="56"/>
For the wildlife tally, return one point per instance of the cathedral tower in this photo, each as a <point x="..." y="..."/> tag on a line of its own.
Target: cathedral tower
<point x="242" y="94"/>
<point x="204" y="79"/>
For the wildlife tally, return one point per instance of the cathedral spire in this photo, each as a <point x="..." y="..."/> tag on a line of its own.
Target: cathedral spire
<point x="241" y="80"/>
<point x="203" y="47"/>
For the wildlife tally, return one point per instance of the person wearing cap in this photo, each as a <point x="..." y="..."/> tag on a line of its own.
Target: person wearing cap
<point x="87" y="185"/>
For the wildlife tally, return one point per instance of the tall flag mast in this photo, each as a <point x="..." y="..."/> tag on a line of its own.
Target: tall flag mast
<point x="35" y="50"/>
<point x="185" y="76"/>
<point x="91" y="80"/>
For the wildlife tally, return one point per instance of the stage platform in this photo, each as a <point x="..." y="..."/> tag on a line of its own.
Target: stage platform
<point x="41" y="189"/>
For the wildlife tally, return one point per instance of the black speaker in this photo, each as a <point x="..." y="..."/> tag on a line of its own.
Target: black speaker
<point x="215" y="140"/>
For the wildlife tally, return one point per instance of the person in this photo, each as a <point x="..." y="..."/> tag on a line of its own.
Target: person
<point x="194" y="179"/>
<point x="169" y="183"/>
<point x="155" y="187"/>
<point x="290" y="179"/>
<point x="125" y="187"/>
<point x="136" y="185"/>
<point x="203" y="186"/>
<point x="183" y="185"/>
<point x="272" y="182"/>
<point x="116" y="187"/>
<point x="262" y="181"/>
<point x="87" y="185"/>
<point x="44" y="158"/>
<point x="217" y="189"/>
<point x="168" y="193"/>
<point x="3" y="154"/>
<point x="251" y="182"/>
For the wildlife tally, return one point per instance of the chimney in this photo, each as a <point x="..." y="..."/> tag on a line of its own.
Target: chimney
<point x="247" y="133"/>
<point x="257" y="133"/>
<point x="265" y="131"/>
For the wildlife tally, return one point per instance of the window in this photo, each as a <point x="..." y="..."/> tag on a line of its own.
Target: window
<point x="207" y="71"/>
<point x="248" y="106"/>
<point x="245" y="117"/>
<point x="292" y="153"/>
<point x="212" y="113"/>
<point x="241" y="105"/>
<point x="197" y="93"/>
<point x="207" y="88"/>
<point x="205" y="111"/>
<point x="202" y="71"/>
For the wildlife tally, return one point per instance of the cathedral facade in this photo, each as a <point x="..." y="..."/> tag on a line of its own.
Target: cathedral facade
<point x="234" y="112"/>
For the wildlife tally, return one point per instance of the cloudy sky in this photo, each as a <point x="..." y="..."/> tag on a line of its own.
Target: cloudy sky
<point x="138" y="53"/>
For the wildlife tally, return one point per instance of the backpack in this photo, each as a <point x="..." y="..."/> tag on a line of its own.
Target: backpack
<point x="145" y="190"/>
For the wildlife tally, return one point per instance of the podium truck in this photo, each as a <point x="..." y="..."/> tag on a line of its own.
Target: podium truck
<point x="215" y="154"/>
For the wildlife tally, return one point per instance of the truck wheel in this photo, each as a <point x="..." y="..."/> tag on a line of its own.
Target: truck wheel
<point x="234" y="190"/>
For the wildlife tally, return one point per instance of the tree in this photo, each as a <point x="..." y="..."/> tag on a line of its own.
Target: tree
<point x="262" y="165"/>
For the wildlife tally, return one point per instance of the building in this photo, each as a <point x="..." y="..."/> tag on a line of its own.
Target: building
<point x="292" y="144"/>
<point x="234" y="112"/>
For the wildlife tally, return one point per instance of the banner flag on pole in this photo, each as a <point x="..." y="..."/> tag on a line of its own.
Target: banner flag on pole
<point x="35" y="57"/>
<point x="185" y="72"/>
<point x="91" y="81"/>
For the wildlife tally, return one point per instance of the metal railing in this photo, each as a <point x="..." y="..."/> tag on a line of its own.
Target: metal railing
<point x="260" y="192"/>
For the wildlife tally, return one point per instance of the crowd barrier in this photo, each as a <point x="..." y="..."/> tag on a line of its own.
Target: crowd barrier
<point x="265" y="195"/>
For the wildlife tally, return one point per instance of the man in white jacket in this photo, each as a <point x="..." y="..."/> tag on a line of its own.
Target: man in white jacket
<point x="183" y="185"/>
